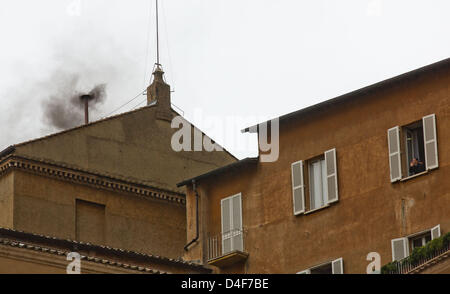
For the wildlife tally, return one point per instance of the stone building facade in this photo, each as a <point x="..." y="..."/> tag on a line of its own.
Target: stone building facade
<point x="110" y="183"/>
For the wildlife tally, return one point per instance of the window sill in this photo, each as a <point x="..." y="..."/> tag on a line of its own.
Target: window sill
<point x="317" y="209"/>
<point x="414" y="176"/>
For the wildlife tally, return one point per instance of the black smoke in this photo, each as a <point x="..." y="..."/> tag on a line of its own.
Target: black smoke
<point x="63" y="109"/>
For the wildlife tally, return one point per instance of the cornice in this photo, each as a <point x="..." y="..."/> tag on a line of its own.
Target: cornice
<point x="89" y="178"/>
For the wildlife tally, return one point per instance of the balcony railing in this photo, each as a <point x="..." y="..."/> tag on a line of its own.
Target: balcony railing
<point x="223" y="244"/>
<point x="406" y="266"/>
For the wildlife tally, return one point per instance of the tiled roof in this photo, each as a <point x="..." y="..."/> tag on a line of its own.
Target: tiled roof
<point x="23" y="245"/>
<point x="26" y="240"/>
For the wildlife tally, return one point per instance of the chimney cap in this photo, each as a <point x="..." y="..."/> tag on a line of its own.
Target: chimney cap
<point x="86" y="97"/>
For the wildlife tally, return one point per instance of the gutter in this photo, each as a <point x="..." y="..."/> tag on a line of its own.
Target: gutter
<point x="194" y="187"/>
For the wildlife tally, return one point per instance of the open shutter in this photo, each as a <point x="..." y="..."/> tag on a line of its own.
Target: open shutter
<point x="337" y="266"/>
<point x="430" y="141"/>
<point x="394" y="154"/>
<point x="226" y="225"/>
<point x="332" y="180"/>
<point x="305" y="272"/>
<point x="298" y="187"/>
<point x="400" y="248"/>
<point x="237" y="236"/>
<point x="436" y="232"/>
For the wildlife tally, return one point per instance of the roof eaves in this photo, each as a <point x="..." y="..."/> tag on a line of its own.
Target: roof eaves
<point x="7" y="151"/>
<point x="21" y="235"/>
<point x="220" y="170"/>
<point x="352" y="94"/>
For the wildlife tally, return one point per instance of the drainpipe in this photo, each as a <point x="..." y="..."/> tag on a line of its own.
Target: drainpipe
<point x="194" y="187"/>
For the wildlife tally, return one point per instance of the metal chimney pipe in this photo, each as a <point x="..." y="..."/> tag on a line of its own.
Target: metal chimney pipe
<point x="85" y="99"/>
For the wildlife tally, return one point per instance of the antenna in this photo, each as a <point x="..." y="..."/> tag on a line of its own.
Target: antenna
<point x="157" y="34"/>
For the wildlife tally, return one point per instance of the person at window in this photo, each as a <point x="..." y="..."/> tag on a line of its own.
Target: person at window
<point x="416" y="166"/>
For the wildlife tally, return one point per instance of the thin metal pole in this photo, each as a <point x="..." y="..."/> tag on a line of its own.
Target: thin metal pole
<point x="157" y="34"/>
<point x="86" y="111"/>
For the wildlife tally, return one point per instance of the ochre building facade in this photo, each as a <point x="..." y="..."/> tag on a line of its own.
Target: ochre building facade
<point x="110" y="183"/>
<point x="341" y="188"/>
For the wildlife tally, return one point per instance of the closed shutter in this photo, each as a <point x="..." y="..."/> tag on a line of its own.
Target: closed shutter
<point x="394" y="154"/>
<point x="226" y="225"/>
<point x="232" y="237"/>
<point x="305" y="272"/>
<point x="400" y="248"/>
<point x="430" y="141"/>
<point x="331" y="171"/>
<point x="237" y="236"/>
<point x="298" y="187"/>
<point x="337" y="266"/>
<point x="436" y="232"/>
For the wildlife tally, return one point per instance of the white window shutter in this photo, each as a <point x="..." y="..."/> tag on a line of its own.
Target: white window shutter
<point x="332" y="179"/>
<point x="394" y="154"/>
<point x="436" y="232"/>
<point x="305" y="272"/>
<point x="430" y="141"/>
<point x="226" y="225"/>
<point x="237" y="236"/>
<point x="337" y="266"/>
<point x="400" y="248"/>
<point x="298" y="187"/>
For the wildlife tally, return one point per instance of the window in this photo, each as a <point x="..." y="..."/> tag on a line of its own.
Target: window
<point x="321" y="178"/>
<point x="332" y="267"/>
<point x="232" y="237"/>
<point x="413" y="148"/>
<point x="318" y="192"/>
<point x="402" y="247"/>
<point x="420" y="240"/>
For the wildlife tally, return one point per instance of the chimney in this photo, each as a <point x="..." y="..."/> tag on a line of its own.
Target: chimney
<point x="159" y="93"/>
<point x="85" y="99"/>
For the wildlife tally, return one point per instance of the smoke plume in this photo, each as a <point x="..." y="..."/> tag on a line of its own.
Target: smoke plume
<point x="64" y="109"/>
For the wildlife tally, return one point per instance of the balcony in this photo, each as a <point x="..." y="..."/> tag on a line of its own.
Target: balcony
<point x="409" y="265"/>
<point x="226" y="249"/>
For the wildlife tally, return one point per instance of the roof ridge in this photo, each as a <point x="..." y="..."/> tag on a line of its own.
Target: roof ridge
<point x="82" y="126"/>
<point x="353" y="93"/>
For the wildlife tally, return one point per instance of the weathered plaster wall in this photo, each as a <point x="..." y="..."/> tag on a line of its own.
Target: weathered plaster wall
<point x="371" y="210"/>
<point x="6" y="200"/>
<point x="47" y="206"/>
<point x="135" y="145"/>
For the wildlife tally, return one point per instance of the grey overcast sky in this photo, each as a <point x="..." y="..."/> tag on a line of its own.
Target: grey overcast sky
<point x="249" y="59"/>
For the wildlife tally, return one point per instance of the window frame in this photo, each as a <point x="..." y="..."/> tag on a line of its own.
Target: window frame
<point x="330" y="263"/>
<point x="230" y="234"/>
<point x="323" y="183"/>
<point x="305" y="178"/>
<point x="402" y="144"/>
<point x="408" y="240"/>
